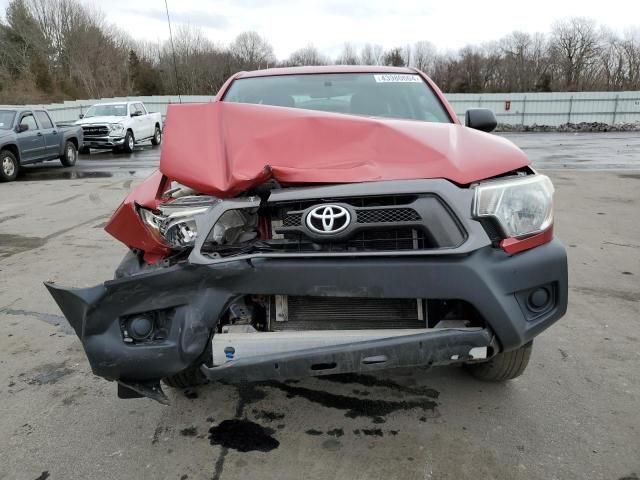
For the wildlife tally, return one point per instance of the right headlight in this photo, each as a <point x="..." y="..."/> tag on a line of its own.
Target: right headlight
<point x="173" y="223"/>
<point x="522" y="206"/>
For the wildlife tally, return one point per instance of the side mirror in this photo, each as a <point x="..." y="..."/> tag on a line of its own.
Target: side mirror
<point x="480" y="119"/>
<point x="81" y="116"/>
<point x="22" y="128"/>
<point x="136" y="114"/>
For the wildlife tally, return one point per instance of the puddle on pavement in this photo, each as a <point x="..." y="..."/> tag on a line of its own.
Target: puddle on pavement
<point x="43" y="173"/>
<point x="68" y="175"/>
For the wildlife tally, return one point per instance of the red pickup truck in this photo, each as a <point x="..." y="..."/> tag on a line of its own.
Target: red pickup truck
<point x="324" y="220"/>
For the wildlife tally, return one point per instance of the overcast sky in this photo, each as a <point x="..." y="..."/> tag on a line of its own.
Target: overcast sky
<point x="291" y="24"/>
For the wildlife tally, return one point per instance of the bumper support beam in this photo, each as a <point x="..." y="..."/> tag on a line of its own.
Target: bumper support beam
<point x="431" y="348"/>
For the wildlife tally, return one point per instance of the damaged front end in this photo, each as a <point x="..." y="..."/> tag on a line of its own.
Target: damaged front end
<point x="250" y="289"/>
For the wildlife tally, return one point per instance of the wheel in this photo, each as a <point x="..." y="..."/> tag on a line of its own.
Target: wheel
<point x="85" y="150"/>
<point x="70" y="155"/>
<point x="503" y="366"/>
<point x="192" y="376"/>
<point x="8" y="166"/>
<point x="129" y="142"/>
<point x="157" y="137"/>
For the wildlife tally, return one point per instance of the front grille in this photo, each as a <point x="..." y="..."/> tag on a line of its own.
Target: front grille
<point x="379" y="240"/>
<point x="340" y="313"/>
<point x="292" y="220"/>
<point x="99" y="131"/>
<point x="365" y="216"/>
<point x="357" y="202"/>
<point x="387" y="215"/>
<point x="379" y="224"/>
<point x="396" y="239"/>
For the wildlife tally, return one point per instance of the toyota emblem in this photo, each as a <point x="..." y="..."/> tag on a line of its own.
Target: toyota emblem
<point x="325" y="219"/>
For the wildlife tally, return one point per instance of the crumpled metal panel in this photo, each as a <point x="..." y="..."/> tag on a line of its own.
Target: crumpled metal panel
<point x="222" y="148"/>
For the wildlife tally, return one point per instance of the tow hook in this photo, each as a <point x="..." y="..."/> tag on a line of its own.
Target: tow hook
<point x="151" y="390"/>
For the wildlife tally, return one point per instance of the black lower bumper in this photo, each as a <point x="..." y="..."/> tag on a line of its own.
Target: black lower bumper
<point x="193" y="297"/>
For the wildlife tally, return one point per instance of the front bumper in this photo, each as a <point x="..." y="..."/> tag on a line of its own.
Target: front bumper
<point x="193" y="297"/>
<point x="103" y="142"/>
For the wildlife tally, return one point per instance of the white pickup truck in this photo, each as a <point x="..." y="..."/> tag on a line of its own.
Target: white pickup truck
<point x="119" y="126"/>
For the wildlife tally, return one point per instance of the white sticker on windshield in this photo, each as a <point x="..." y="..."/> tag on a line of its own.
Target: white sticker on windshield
<point x="396" y="78"/>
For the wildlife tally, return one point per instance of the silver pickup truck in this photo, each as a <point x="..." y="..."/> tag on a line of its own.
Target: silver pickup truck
<point x="28" y="135"/>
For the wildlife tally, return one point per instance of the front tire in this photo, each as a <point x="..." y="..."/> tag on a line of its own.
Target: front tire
<point x="157" y="137"/>
<point x="129" y="142"/>
<point x="9" y="166"/>
<point x="503" y="366"/>
<point x="70" y="155"/>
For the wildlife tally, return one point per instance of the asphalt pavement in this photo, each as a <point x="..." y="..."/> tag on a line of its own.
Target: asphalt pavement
<point x="572" y="415"/>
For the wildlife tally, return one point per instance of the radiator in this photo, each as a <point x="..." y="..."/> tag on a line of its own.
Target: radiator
<point x="345" y="313"/>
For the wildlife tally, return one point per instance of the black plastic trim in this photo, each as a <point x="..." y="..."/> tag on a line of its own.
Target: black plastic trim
<point x="487" y="278"/>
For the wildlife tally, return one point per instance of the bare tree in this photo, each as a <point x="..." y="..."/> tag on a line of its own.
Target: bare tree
<point x="371" y="54"/>
<point x="424" y="56"/>
<point x="308" y="55"/>
<point x="253" y="51"/>
<point x="612" y="62"/>
<point x="348" y="56"/>
<point x="394" y="57"/>
<point x="630" y="46"/>
<point x="366" y="55"/>
<point x="57" y="49"/>
<point x="575" y="44"/>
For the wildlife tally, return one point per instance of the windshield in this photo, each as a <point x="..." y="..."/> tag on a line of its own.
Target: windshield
<point x="6" y="119"/>
<point x="404" y="96"/>
<point x="117" y="110"/>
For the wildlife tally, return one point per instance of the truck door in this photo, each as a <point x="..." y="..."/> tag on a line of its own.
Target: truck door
<point x="31" y="140"/>
<point x="50" y="133"/>
<point x="140" y="121"/>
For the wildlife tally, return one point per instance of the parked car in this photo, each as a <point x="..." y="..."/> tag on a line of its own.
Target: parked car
<point x="324" y="220"/>
<point x="28" y="135"/>
<point x="119" y="126"/>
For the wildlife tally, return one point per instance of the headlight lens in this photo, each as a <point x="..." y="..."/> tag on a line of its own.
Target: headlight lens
<point x="174" y="223"/>
<point x="522" y="206"/>
<point x="116" y="128"/>
<point x="233" y="227"/>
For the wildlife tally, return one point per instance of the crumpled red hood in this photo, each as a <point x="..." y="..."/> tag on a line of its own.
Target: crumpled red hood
<point x="222" y="148"/>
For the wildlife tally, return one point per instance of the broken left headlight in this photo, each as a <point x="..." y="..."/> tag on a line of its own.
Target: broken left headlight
<point x="174" y="223"/>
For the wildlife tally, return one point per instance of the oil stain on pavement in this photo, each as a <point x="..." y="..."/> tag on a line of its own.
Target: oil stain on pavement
<point x="49" y="374"/>
<point x="244" y="435"/>
<point x="355" y="407"/>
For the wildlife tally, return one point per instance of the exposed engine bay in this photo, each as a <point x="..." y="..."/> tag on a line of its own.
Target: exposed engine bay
<point x="257" y="325"/>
